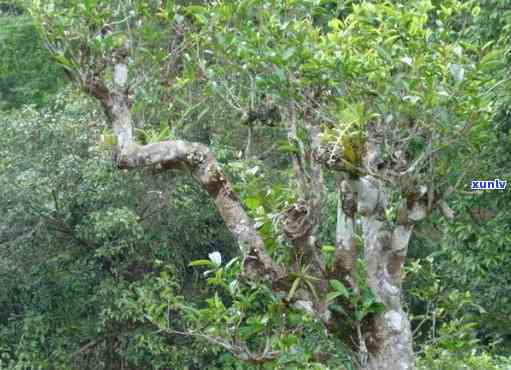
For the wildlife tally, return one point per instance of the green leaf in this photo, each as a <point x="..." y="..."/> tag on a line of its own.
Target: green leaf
<point x="339" y="287"/>
<point x="216" y="281"/>
<point x="252" y="202"/>
<point x="328" y="248"/>
<point x="280" y="74"/>
<point x="61" y="59"/>
<point x="312" y="289"/>
<point x="333" y="295"/>
<point x="492" y="60"/>
<point x="359" y="315"/>
<point x="293" y="289"/>
<point x="194" y="9"/>
<point x="231" y="262"/>
<point x="311" y="278"/>
<point x="90" y="4"/>
<point x="286" y="147"/>
<point x="288" y="53"/>
<point x="201" y="263"/>
<point x="376" y="307"/>
<point x="348" y="116"/>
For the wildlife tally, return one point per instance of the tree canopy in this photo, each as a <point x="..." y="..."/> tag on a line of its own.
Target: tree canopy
<point x="255" y="184"/>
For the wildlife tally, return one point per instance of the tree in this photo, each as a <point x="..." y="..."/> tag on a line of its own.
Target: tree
<point x="382" y="96"/>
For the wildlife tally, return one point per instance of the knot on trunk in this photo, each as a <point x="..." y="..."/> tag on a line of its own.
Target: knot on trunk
<point x="348" y="198"/>
<point x="215" y="181"/>
<point x="384" y="238"/>
<point x="257" y="266"/>
<point x="368" y="197"/>
<point x="196" y="157"/>
<point x="413" y="208"/>
<point x="296" y="221"/>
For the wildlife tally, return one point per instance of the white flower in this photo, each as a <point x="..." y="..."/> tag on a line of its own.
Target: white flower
<point x="407" y="60"/>
<point x="216" y="258"/>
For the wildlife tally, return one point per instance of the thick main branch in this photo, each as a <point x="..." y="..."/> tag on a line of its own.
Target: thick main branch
<point x="194" y="158"/>
<point x="199" y="161"/>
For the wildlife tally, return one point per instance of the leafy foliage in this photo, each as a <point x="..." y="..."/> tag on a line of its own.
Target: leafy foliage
<point x="102" y="268"/>
<point x="27" y="73"/>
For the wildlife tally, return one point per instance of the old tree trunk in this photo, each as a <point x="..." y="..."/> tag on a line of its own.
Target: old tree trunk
<point x="382" y="339"/>
<point x="356" y="109"/>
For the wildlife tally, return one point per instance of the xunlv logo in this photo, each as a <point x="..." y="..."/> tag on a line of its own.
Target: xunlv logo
<point x="488" y="184"/>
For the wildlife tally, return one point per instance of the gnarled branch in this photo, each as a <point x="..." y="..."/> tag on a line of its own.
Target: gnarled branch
<point x="195" y="158"/>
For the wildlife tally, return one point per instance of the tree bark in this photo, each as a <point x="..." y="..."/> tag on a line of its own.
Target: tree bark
<point x="386" y="338"/>
<point x="194" y="158"/>
<point x="389" y="337"/>
<point x="388" y="334"/>
<point x="346" y="249"/>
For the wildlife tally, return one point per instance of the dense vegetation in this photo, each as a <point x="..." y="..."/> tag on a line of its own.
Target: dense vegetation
<point x="337" y="138"/>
